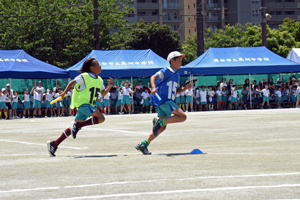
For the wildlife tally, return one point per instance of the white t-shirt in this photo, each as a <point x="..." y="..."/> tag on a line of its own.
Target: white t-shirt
<point x="126" y="91"/>
<point x="219" y="93"/>
<point x="145" y="95"/>
<point x="26" y="97"/>
<point x="197" y="94"/>
<point x="37" y="96"/>
<point x="182" y="93"/>
<point x="286" y="92"/>
<point x="278" y="93"/>
<point x="211" y="93"/>
<point x="120" y="95"/>
<point x="41" y="88"/>
<point x="203" y="95"/>
<point x="177" y="95"/>
<point x="224" y="93"/>
<point x="114" y="95"/>
<point x="107" y="95"/>
<point x="15" y="98"/>
<point x="80" y="81"/>
<point x="245" y="92"/>
<point x="69" y="94"/>
<point x="189" y="92"/>
<point x="234" y="93"/>
<point x="294" y="92"/>
<point x="298" y="89"/>
<point x="7" y="99"/>
<point x="49" y="97"/>
<point x="266" y="92"/>
<point x="223" y="85"/>
<point x="57" y="95"/>
<point x="2" y="97"/>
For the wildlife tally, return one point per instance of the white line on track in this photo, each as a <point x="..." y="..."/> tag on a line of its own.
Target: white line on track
<point x="115" y="130"/>
<point x="148" y="181"/>
<point x="181" y="191"/>
<point x="40" y="144"/>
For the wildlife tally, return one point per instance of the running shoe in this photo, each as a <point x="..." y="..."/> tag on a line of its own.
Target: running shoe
<point x="143" y="149"/>
<point x="51" y="148"/>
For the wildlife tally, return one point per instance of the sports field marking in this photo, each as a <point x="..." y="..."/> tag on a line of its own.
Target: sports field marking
<point x="180" y="191"/>
<point x="148" y="181"/>
<point x="40" y="144"/>
<point x="116" y="130"/>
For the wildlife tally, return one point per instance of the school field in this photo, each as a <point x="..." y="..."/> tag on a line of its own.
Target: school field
<point x="252" y="154"/>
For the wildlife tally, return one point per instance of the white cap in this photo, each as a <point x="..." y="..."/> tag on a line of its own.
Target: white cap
<point x="7" y="84"/>
<point x="3" y="89"/>
<point x="174" y="54"/>
<point x="278" y="79"/>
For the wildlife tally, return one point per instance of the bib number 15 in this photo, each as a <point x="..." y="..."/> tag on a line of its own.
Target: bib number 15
<point x="94" y="94"/>
<point x="172" y="88"/>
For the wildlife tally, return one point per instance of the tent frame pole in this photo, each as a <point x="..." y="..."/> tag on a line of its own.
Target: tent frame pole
<point x="11" y="95"/>
<point x="132" y="103"/>
<point x="250" y="91"/>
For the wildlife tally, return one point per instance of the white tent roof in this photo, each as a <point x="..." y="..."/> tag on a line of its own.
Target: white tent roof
<point x="294" y="55"/>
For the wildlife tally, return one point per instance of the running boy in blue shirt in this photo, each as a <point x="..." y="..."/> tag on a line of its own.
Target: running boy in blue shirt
<point x="166" y="84"/>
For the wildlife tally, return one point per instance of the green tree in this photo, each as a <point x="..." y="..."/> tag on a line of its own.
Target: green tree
<point x="60" y="32"/>
<point x="278" y="41"/>
<point x="160" y="39"/>
<point x="292" y="27"/>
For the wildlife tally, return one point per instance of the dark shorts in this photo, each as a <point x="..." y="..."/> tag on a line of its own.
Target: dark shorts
<point x="8" y="105"/>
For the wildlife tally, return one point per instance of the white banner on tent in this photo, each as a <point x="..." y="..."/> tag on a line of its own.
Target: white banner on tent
<point x="13" y="60"/>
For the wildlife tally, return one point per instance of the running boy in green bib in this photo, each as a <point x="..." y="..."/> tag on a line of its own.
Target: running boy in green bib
<point x="87" y="87"/>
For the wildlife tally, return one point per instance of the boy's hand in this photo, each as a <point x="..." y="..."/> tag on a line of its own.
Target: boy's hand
<point x="62" y="95"/>
<point x="154" y="90"/>
<point x="110" y="81"/>
<point x="123" y="82"/>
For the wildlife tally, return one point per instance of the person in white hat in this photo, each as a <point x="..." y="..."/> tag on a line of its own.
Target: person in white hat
<point x="165" y="85"/>
<point x="3" y="94"/>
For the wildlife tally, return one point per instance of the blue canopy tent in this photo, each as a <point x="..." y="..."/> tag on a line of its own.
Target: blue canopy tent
<point x="238" y="61"/>
<point x="19" y="64"/>
<point x="123" y="63"/>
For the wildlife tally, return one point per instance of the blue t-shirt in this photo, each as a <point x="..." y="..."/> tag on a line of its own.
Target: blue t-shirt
<point x="166" y="85"/>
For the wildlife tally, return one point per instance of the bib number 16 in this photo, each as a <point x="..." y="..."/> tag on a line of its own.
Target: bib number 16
<point x="172" y="88"/>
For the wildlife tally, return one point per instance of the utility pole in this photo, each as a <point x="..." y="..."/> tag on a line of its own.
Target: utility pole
<point x="263" y="23"/>
<point x="96" y="25"/>
<point x="200" y="42"/>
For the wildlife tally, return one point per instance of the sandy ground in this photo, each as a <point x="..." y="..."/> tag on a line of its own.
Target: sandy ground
<point x="250" y="154"/>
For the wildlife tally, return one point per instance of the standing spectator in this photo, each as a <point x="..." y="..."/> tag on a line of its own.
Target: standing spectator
<point x="246" y="83"/>
<point x="189" y="99"/>
<point x="141" y="85"/>
<point x="223" y="83"/>
<point x="245" y="93"/>
<point x="37" y="96"/>
<point x="203" y="98"/>
<point x="253" y="84"/>
<point x="298" y="82"/>
<point x="59" y="104"/>
<point x="182" y="100"/>
<point x="146" y="98"/>
<point x="48" y="99"/>
<point x="279" y="82"/>
<point x="15" y="105"/>
<point x="266" y="96"/>
<point x="126" y="99"/>
<point x="55" y="89"/>
<point x="197" y="106"/>
<point x="8" y="99"/>
<point x="271" y="86"/>
<point x="297" y="95"/>
<point x="107" y="102"/>
<point x="118" y="104"/>
<point x="26" y="103"/>
<point x="224" y="98"/>
<point x="278" y="96"/>
<point x="219" y="98"/>
<point x="211" y="98"/>
<point x="294" y="96"/>
<point x="293" y="82"/>
<point x="234" y="95"/>
<point x="3" y="95"/>
<point x="263" y="83"/>
<point x="40" y="87"/>
<point x="113" y="96"/>
<point x="231" y="83"/>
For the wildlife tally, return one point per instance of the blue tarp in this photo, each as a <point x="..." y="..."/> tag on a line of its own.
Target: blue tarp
<point x="123" y="63"/>
<point x="294" y="55"/>
<point x="238" y="61"/>
<point x="19" y="64"/>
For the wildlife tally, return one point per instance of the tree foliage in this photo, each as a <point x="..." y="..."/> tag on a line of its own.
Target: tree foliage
<point x="279" y="41"/>
<point x="161" y="39"/>
<point x="59" y="32"/>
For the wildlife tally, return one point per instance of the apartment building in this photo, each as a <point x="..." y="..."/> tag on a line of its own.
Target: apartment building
<point x="218" y="13"/>
<point x="179" y="14"/>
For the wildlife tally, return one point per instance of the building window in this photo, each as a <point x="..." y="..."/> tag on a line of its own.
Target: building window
<point x="290" y="12"/>
<point x="131" y="14"/>
<point x="189" y="31"/>
<point x="278" y="1"/>
<point x="154" y="1"/>
<point x="194" y="5"/>
<point x="276" y="13"/>
<point x="188" y="7"/>
<point x="155" y="13"/>
<point x="255" y="1"/>
<point x="141" y="13"/>
<point x="255" y="13"/>
<point x="189" y="19"/>
<point x="141" y="1"/>
<point x="289" y="0"/>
